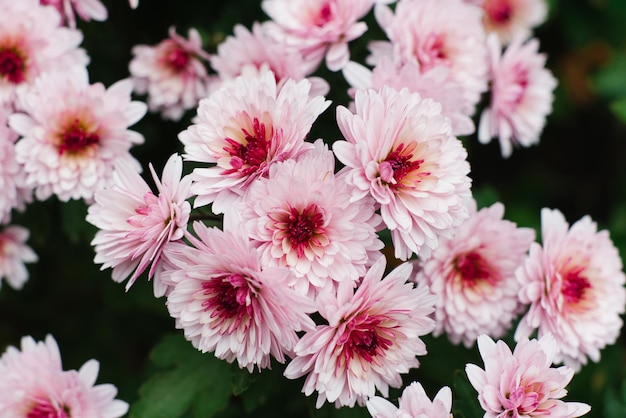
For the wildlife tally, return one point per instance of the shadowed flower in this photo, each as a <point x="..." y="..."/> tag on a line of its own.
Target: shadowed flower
<point x="85" y="9"/>
<point x="414" y="403"/>
<point x="13" y="254"/>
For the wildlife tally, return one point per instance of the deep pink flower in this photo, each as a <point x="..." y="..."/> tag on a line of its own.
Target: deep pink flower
<point x="33" y="384"/>
<point x="372" y="336"/>
<point x="522" y="383"/>
<point x="575" y="286"/>
<point x="473" y="275"/>
<point x="511" y="18"/>
<point x="136" y="224"/>
<point x="400" y="150"/>
<point x="226" y="301"/>
<point x="172" y="73"/>
<point x="414" y="403"/>
<point x="13" y="254"/>
<point x="85" y="9"/>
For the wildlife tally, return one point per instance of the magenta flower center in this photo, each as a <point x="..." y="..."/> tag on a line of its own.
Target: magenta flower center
<point x="229" y="296"/>
<point x="364" y="338"/>
<point x="178" y="59"/>
<point x="248" y="156"/>
<point x="399" y="164"/>
<point x="12" y="65"/>
<point x="302" y="229"/>
<point x="45" y="409"/>
<point x="324" y="16"/>
<point x="76" y="138"/>
<point x="574" y="287"/>
<point x="474" y="269"/>
<point x="499" y="11"/>
<point x="432" y="52"/>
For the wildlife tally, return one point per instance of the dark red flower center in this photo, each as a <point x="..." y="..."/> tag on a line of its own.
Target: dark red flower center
<point x="474" y="269"/>
<point x="248" y="156"/>
<point x="12" y="65"/>
<point x="364" y="339"/>
<point x="229" y="295"/>
<point x="574" y="287"/>
<point x="324" y="16"/>
<point x="45" y="409"/>
<point x="303" y="226"/>
<point x="398" y="164"/>
<point x="76" y="138"/>
<point x="178" y="59"/>
<point x="498" y="11"/>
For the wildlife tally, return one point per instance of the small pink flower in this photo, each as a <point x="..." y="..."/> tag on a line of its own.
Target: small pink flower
<point x="400" y="150"/>
<point x="372" y="336"/>
<point x="135" y="224"/>
<point x="575" y="287"/>
<point x="521" y="96"/>
<point x="85" y="9"/>
<point x="509" y="19"/>
<point x="414" y="403"/>
<point x="72" y="133"/>
<point x="473" y="274"/>
<point x="13" y="254"/>
<point x="522" y="383"/>
<point x="133" y="3"/>
<point x="228" y="302"/>
<point x="34" y="384"/>
<point x="172" y="73"/>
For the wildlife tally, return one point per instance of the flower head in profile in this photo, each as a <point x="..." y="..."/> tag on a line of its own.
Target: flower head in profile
<point x="73" y="132"/>
<point x="372" y="336"/>
<point x="400" y="150"/>
<point x="511" y="18"/>
<point x="473" y="275"/>
<point x="521" y="95"/>
<point x="574" y="284"/>
<point x="229" y="303"/>
<point x="136" y="224"/>
<point x="522" y="383"/>
<point x="34" y="384"/>
<point x="85" y="9"/>
<point x="13" y="254"/>
<point x="414" y="403"/>
<point x="172" y="73"/>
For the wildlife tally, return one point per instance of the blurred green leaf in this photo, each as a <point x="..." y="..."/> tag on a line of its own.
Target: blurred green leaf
<point x="619" y="108"/>
<point x="465" y="399"/>
<point x="609" y="81"/>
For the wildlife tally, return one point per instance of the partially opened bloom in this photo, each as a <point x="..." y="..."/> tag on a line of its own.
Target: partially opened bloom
<point x="135" y="224"/>
<point x="73" y="132"/>
<point x="172" y="73"/>
<point x="227" y="301"/>
<point x="372" y="336"/>
<point x="511" y="18"/>
<point x="473" y="275"/>
<point x="85" y="9"/>
<point x="575" y="287"/>
<point x="34" y="384"/>
<point x="521" y="95"/>
<point x="522" y="383"/>
<point x="400" y="150"/>
<point x="414" y="403"/>
<point x="14" y="253"/>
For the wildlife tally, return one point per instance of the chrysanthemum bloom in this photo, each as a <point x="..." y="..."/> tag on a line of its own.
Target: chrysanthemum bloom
<point x="400" y="150"/>
<point x="244" y="127"/>
<point x="575" y="286"/>
<point x="172" y="73"/>
<point x="32" y="42"/>
<point x="301" y="217"/>
<point x="435" y="33"/>
<point x="473" y="274"/>
<point x="85" y="9"/>
<point x="136" y="224"/>
<point x="372" y="336"/>
<point x="414" y="403"/>
<point x="521" y="95"/>
<point x="522" y="383"/>
<point x="13" y="254"/>
<point x="511" y="18"/>
<point x="72" y="132"/>
<point x="257" y="48"/>
<point x="318" y="28"/>
<point x="34" y="384"/>
<point x="230" y="303"/>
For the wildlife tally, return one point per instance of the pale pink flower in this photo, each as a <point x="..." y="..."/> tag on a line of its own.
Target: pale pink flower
<point x="318" y="28"/>
<point x="172" y="73"/>
<point x="473" y="275"/>
<point x="522" y="383"/>
<point x="511" y="18"/>
<point x="400" y="150"/>
<point x="136" y="224"/>
<point x="85" y="9"/>
<point x="72" y="133"/>
<point x="521" y="95"/>
<point x="414" y="403"/>
<point x="133" y="3"/>
<point x="372" y="336"/>
<point x="244" y="127"/>
<point x="34" y="384"/>
<point x="227" y="301"/>
<point x="301" y="217"/>
<point x="575" y="286"/>
<point x="32" y="42"/>
<point x="14" y="253"/>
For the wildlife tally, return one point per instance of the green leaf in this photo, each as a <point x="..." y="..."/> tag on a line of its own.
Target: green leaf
<point x="611" y="80"/>
<point x="619" y="108"/>
<point x="465" y="402"/>
<point x="615" y="403"/>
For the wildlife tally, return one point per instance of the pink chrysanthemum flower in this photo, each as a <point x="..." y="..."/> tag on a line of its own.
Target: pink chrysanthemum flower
<point x="575" y="286"/>
<point x="511" y="18"/>
<point x="318" y="28"/>
<point x="34" y="384"/>
<point x="301" y="217"/>
<point x="473" y="274"/>
<point x="13" y="254"/>
<point x="32" y="42"/>
<point x="85" y="9"/>
<point x="230" y="303"/>
<point x="136" y="224"/>
<point x="400" y="150"/>
<point x="72" y="132"/>
<point x="414" y="403"/>
<point x="521" y="95"/>
<point x="522" y="383"/>
<point x="245" y="127"/>
<point x="436" y="33"/>
<point x="372" y="336"/>
<point x="172" y="73"/>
